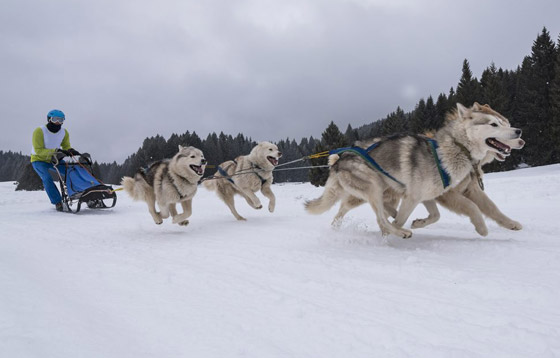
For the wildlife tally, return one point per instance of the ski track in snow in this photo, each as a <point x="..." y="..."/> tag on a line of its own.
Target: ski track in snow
<point x="113" y="284"/>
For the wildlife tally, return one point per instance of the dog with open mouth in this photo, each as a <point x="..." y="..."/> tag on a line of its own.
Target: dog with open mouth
<point x="246" y="175"/>
<point x="467" y="198"/>
<point x="168" y="182"/>
<point x="417" y="169"/>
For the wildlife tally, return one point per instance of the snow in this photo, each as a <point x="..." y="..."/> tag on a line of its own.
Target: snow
<point x="113" y="284"/>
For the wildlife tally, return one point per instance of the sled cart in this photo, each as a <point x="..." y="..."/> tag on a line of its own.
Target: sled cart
<point x="78" y="185"/>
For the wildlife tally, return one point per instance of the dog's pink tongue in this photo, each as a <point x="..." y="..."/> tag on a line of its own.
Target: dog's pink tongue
<point x="501" y="145"/>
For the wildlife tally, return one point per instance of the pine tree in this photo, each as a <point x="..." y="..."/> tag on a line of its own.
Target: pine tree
<point x="452" y="98"/>
<point x="171" y="146"/>
<point x="332" y="138"/>
<point x="419" y="118"/>
<point x="555" y="107"/>
<point x="533" y="104"/>
<point x="375" y="130"/>
<point x="394" y="123"/>
<point x="431" y="115"/>
<point x="211" y="152"/>
<point x="96" y="171"/>
<point x="493" y="92"/>
<point x="194" y="141"/>
<point x="442" y="107"/>
<point x="468" y="89"/>
<point x="290" y="151"/>
<point x="351" y="134"/>
<point x="29" y="180"/>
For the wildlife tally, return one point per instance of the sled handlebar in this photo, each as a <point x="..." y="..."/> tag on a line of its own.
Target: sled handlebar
<point x="83" y="158"/>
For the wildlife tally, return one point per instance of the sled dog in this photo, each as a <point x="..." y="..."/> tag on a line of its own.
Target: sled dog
<point x="168" y="182"/>
<point x="467" y="136"/>
<point x="245" y="175"/>
<point x="467" y="198"/>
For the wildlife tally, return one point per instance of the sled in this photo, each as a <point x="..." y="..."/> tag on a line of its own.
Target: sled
<point x="78" y="185"/>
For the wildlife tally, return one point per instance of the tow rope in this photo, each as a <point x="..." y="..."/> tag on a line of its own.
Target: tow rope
<point x="363" y="153"/>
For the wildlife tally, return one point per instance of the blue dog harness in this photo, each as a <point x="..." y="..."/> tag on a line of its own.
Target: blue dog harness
<point x="364" y="154"/>
<point x="230" y="179"/>
<point x="445" y="178"/>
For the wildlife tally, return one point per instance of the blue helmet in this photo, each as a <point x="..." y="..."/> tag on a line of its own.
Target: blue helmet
<point x="55" y="113"/>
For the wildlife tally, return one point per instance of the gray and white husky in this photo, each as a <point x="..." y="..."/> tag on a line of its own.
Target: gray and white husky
<point x="467" y="198"/>
<point x="245" y="175"/>
<point x="467" y="136"/>
<point x="168" y="182"/>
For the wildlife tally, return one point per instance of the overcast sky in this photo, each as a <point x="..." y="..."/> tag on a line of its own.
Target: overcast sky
<point x="270" y="69"/>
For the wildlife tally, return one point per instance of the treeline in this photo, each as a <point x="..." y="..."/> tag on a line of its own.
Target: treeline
<point x="12" y="165"/>
<point x="529" y="96"/>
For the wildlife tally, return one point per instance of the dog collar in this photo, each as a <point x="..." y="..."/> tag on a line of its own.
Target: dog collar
<point x="474" y="164"/>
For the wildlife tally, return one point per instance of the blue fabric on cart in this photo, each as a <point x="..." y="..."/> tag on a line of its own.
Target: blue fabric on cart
<point x="78" y="179"/>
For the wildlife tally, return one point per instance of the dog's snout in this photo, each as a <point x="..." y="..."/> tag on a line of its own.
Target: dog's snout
<point x="203" y="161"/>
<point x="279" y="154"/>
<point x="518" y="132"/>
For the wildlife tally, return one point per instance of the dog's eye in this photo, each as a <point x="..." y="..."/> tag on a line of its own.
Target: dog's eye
<point x="494" y="125"/>
<point x="192" y="156"/>
<point x="270" y="149"/>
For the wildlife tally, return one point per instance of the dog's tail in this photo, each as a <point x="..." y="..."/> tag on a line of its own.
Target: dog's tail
<point x="327" y="200"/>
<point x="135" y="187"/>
<point x="333" y="158"/>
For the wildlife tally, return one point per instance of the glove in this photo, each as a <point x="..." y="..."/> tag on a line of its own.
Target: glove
<point x="62" y="151"/>
<point x="86" y="158"/>
<point x="58" y="155"/>
<point x="73" y="151"/>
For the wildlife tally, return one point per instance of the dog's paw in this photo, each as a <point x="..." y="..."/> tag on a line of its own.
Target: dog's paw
<point x="336" y="223"/>
<point x="258" y="207"/>
<point x="512" y="225"/>
<point x="157" y="219"/>
<point x="405" y="234"/>
<point x="271" y="207"/>
<point x="418" y="223"/>
<point x="183" y="223"/>
<point x="482" y="230"/>
<point x="241" y="218"/>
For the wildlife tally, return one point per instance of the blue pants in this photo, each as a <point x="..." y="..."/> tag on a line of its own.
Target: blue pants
<point x="42" y="168"/>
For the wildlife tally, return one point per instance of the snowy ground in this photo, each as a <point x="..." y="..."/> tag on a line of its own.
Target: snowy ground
<point x="114" y="284"/>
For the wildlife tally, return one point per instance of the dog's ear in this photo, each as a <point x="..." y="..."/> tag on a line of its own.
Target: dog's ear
<point x="462" y="110"/>
<point x="476" y="107"/>
<point x="180" y="147"/>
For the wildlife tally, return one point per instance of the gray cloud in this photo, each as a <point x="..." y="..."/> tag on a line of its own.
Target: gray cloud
<point x="126" y="70"/>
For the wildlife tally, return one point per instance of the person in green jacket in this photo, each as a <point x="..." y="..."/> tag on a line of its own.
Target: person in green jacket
<point x="48" y="140"/>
